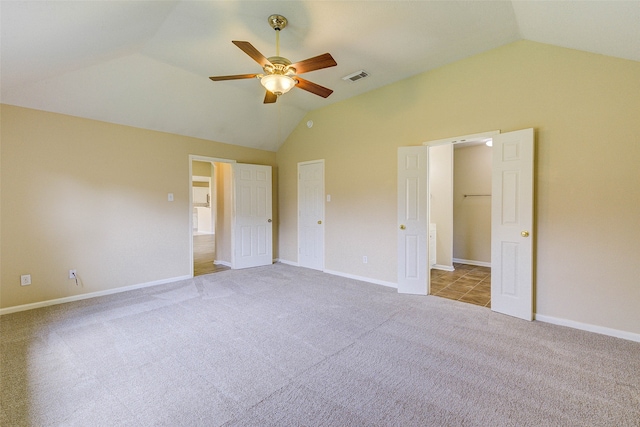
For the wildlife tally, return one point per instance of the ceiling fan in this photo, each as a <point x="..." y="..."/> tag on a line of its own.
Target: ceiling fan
<point x="280" y="74"/>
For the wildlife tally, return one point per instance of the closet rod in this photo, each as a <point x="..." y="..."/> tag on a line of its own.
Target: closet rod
<point x="477" y="195"/>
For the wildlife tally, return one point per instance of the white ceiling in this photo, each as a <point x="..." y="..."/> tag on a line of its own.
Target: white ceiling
<point x="146" y="64"/>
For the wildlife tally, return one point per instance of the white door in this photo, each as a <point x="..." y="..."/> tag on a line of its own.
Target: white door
<point x="311" y="215"/>
<point x="511" y="224"/>
<point x="413" y="220"/>
<point x="252" y="229"/>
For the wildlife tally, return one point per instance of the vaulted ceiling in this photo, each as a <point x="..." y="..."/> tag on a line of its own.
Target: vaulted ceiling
<point x="146" y="63"/>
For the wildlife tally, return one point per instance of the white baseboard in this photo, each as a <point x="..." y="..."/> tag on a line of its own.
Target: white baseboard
<point x="442" y="267"/>
<point x="588" y="327"/>
<point x="284" y="261"/>
<point x="225" y="263"/>
<point x="80" y="297"/>
<point x="472" y="262"/>
<point x="362" y="279"/>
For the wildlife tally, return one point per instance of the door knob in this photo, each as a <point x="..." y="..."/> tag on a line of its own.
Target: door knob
<point x="269" y="220"/>
<point x="524" y="234"/>
<point x="319" y="222"/>
<point x="402" y="227"/>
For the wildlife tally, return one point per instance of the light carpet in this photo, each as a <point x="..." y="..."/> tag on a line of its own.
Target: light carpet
<point x="287" y="346"/>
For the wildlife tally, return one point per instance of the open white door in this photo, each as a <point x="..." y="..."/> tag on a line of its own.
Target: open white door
<point x="252" y="229"/>
<point x="311" y="215"/>
<point x="413" y="220"/>
<point x="511" y="224"/>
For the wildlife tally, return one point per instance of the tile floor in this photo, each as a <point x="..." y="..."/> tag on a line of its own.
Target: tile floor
<point x="204" y="254"/>
<point x="467" y="283"/>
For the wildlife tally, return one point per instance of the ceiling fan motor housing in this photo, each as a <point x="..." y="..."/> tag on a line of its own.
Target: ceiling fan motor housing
<point x="279" y="65"/>
<point x="277" y="22"/>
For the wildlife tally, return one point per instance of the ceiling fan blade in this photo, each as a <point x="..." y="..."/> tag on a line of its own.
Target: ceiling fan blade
<point x="252" y="52"/>
<point x="270" y="98"/>
<point x="316" y="63"/>
<point x="234" y="77"/>
<point x="313" y="87"/>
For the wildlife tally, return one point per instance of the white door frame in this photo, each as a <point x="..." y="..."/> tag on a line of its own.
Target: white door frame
<point x="451" y="141"/>
<point x="458" y="140"/>
<point x="198" y="158"/>
<point x="322" y="215"/>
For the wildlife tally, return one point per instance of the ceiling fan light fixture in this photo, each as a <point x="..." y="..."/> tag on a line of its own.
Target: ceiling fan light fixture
<point x="280" y="75"/>
<point x="277" y="84"/>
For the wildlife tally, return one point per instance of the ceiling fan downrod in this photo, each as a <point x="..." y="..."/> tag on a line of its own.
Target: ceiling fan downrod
<point x="278" y="23"/>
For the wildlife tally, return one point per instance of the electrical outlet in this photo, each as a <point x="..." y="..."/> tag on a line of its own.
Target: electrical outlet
<point x="72" y="274"/>
<point x="25" y="280"/>
<point x="364" y="259"/>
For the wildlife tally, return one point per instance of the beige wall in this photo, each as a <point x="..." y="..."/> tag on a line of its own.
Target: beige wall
<point x="199" y="168"/>
<point x="224" y="212"/>
<point x="472" y="215"/>
<point x="92" y="196"/>
<point x="441" y="201"/>
<point x="585" y="109"/>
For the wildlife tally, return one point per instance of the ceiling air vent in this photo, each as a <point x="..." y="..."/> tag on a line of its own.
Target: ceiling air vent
<point x="356" y="76"/>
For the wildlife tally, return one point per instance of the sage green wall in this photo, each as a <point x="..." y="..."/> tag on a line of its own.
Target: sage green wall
<point x="585" y="109"/>
<point x="92" y="196"/>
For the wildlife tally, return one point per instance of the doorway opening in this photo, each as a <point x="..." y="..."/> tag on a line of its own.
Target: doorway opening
<point x="512" y="210"/>
<point x="460" y="175"/>
<point x="210" y="215"/>
<point x="240" y="197"/>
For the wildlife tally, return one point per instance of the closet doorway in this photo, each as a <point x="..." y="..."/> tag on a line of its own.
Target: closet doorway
<point x="512" y="234"/>
<point x="464" y="270"/>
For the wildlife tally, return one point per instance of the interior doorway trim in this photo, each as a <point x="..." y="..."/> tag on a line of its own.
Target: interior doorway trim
<point x="463" y="138"/>
<point x="197" y="158"/>
<point x="476" y="138"/>
<point x="512" y="251"/>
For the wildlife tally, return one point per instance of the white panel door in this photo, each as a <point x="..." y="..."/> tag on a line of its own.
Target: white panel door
<point x="511" y="224"/>
<point x="252" y="230"/>
<point x="413" y="220"/>
<point x="311" y="215"/>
